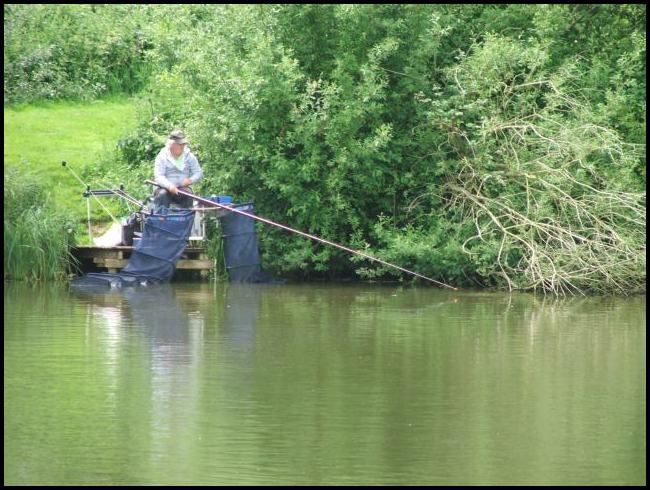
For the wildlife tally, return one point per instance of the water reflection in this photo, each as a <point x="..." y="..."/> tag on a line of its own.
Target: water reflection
<point x="170" y="322"/>
<point x="157" y="313"/>
<point x="309" y="384"/>
<point x="241" y="312"/>
<point x="171" y="338"/>
<point x="159" y="319"/>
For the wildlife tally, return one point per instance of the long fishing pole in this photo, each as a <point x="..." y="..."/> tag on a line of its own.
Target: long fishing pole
<point x="307" y="235"/>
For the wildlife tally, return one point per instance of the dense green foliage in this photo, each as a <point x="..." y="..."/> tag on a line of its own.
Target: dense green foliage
<point x="37" y="238"/>
<point x="72" y="51"/>
<point x="497" y="145"/>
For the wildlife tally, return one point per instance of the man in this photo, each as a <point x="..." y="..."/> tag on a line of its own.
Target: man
<point x="176" y="168"/>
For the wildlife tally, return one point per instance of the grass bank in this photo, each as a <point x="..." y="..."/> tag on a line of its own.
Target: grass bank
<point x="39" y="136"/>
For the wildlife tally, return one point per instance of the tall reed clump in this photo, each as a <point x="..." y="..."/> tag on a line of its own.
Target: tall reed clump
<point x="37" y="237"/>
<point x="215" y="249"/>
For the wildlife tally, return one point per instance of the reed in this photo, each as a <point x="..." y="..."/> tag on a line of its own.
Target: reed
<point x="37" y="237"/>
<point x="214" y="247"/>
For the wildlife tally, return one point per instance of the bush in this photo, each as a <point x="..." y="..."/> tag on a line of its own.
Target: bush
<point x="553" y="196"/>
<point x="139" y="149"/>
<point x="74" y="51"/>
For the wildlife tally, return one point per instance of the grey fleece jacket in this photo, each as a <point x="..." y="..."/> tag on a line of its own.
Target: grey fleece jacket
<point x="167" y="173"/>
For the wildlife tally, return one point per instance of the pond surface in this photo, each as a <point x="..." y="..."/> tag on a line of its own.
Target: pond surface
<point x="322" y="384"/>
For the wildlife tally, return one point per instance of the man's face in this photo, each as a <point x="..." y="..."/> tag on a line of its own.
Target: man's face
<point x="176" y="150"/>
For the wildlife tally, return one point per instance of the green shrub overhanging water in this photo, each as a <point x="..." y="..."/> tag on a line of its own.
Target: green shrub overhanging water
<point x="37" y="238"/>
<point x="484" y="145"/>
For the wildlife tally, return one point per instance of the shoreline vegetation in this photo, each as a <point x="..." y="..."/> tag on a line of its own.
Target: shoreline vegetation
<point x="487" y="146"/>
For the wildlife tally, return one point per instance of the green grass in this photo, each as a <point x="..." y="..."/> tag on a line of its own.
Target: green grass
<point x="39" y="136"/>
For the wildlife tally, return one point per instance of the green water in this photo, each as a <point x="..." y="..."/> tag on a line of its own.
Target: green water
<point x="322" y="384"/>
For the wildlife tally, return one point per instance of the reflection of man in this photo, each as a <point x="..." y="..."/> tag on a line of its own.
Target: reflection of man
<point x="155" y="310"/>
<point x="171" y="391"/>
<point x="176" y="168"/>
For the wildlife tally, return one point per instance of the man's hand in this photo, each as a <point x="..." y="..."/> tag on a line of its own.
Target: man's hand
<point x="186" y="183"/>
<point x="173" y="189"/>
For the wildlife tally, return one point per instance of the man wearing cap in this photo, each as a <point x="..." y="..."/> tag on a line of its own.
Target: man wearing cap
<point x="176" y="168"/>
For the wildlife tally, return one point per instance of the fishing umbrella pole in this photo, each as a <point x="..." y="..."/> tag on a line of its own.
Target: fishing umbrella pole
<point x="306" y="235"/>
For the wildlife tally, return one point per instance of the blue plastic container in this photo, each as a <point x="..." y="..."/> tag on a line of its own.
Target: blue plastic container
<point x="220" y="199"/>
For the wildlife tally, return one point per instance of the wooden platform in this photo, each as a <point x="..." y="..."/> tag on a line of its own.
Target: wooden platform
<point x="115" y="258"/>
